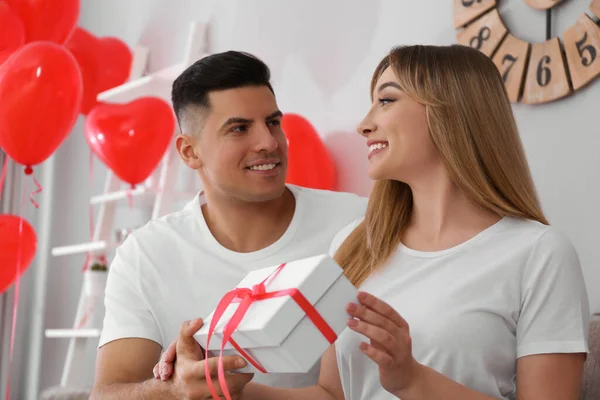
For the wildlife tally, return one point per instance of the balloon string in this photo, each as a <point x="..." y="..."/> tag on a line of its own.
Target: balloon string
<point x="3" y="176"/>
<point x="16" y="298"/>
<point x="91" y="186"/>
<point x="35" y="192"/>
<point x="129" y="194"/>
<point x="88" y="257"/>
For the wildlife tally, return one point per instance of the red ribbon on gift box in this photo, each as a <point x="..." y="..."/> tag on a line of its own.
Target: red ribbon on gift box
<point x="246" y="297"/>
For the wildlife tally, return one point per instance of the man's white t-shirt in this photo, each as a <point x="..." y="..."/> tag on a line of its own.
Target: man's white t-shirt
<point x="515" y="289"/>
<point x="173" y="269"/>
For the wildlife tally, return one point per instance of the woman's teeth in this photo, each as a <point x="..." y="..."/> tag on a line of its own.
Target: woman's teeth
<point x="377" y="146"/>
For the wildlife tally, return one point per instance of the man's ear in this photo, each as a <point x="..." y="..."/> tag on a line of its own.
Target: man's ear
<point x="185" y="148"/>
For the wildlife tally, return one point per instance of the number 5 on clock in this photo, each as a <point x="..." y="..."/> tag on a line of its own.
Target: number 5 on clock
<point x="582" y="46"/>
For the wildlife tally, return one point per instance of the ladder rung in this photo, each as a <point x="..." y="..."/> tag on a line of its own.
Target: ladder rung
<point x="119" y="195"/>
<point x="72" y="333"/>
<point x="90" y="247"/>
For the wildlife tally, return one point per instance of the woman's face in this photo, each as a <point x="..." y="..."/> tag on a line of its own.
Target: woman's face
<point x="400" y="147"/>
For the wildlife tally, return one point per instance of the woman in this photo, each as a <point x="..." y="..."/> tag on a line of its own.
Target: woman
<point x="466" y="292"/>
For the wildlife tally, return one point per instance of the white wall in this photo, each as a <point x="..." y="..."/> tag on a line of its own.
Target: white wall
<point x="322" y="54"/>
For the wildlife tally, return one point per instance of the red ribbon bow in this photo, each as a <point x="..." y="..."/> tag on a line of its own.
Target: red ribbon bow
<point x="246" y="297"/>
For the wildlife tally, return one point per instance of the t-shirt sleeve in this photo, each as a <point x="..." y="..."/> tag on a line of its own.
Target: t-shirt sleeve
<point x="339" y="238"/>
<point x="554" y="316"/>
<point x="127" y="314"/>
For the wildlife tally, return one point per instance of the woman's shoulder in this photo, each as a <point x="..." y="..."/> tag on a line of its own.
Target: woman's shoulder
<point x="541" y="237"/>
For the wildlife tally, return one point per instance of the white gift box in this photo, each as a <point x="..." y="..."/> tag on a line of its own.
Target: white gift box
<point x="276" y="332"/>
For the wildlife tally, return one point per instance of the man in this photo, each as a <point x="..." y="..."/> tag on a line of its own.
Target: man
<point x="178" y="267"/>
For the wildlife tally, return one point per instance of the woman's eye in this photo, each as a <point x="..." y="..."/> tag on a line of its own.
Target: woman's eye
<point x="383" y="102"/>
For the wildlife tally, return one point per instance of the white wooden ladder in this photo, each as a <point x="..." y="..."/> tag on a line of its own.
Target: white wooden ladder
<point x="161" y="186"/>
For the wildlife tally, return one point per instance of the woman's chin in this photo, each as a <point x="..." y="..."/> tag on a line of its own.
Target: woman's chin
<point x="376" y="174"/>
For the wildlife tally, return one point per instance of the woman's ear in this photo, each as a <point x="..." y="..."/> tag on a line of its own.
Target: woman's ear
<point x="187" y="152"/>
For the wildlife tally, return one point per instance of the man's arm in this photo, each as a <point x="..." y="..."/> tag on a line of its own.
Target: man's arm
<point x="124" y="371"/>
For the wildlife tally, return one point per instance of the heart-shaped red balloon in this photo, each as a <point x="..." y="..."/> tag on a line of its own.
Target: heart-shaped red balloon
<point x="12" y="34"/>
<point x="309" y="162"/>
<point x="52" y="20"/>
<point x="104" y="62"/>
<point x="132" y="138"/>
<point x="17" y="248"/>
<point x="40" y="95"/>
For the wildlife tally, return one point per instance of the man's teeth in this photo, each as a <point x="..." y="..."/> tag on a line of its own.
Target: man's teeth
<point x="377" y="146"/>
<point x="263" y="167"/>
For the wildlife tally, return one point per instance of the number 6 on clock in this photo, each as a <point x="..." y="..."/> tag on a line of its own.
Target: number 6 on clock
<point x="546" y="74"/>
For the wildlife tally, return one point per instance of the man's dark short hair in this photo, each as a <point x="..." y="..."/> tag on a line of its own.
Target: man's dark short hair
<point x="221" y="71"/>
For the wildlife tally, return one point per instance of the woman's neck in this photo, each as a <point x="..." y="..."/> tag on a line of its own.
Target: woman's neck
<point x="443" y="216"/>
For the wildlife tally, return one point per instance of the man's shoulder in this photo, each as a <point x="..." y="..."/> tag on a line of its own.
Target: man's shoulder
<point x="178" y="223"/>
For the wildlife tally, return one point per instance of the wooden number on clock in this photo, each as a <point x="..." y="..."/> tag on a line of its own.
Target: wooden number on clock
<point x="542" y="4"/>
<point x="466" y="11"/>
<point x="582" y="45"/>
<point x="511" y="60"/>
<point x="595" y="7"/>
<point x="546" y="77"/>
<point x="485" y="34"/>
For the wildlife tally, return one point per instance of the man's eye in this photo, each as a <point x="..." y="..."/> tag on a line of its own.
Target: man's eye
<point x="274" y="122"/>
<point x="240" y="128"/>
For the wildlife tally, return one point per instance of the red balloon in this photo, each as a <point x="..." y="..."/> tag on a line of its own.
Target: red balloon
<point x="104" y="62"/>
<point x="52" y="20"/>
<point x="40" y="94"/>
<point x="16" y="250"/>
<point x="132" y="138"/>
<point x="309" y="162"/>
<point x="12" y="34"/>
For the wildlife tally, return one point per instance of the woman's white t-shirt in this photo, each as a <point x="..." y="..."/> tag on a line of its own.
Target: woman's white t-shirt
<point x="515" y="289"/>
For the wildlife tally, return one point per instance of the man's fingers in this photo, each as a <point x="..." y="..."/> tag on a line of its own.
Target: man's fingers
<point x="155" y="371"/>
<point x="237" y="382"/>
<point x="190" y="327"/>
<point x="186" y="344"/>
<point x="169" y="354"/>
<point x="230" y="363"/>
<point x="235" y="385"/>
<point x="166" y="371"/>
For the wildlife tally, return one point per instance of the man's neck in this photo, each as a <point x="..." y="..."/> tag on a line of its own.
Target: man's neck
<point x="248" y="227"/>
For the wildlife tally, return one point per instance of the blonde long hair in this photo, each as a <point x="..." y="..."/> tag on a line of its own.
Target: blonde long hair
<point x="472" y="126"/>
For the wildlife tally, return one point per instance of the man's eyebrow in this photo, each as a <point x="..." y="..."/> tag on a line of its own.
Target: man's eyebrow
<point x="239" y="120"/>
<point x="276" y="114"/>
<point x="236" y="120"/>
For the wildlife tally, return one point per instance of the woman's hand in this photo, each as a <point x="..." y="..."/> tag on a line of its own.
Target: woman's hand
<point x="390" y="343"/>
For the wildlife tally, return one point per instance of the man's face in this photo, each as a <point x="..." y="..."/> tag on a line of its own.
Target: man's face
<point x="239" y="147"/>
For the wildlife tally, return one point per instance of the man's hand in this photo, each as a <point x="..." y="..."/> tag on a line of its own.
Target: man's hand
<point x="184" y="362"/>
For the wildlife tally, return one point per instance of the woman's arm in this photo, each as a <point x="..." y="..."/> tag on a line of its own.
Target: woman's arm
<point x="539" y="377"/>
<point x="328" y="388"/>
<point x="550" y="376"/>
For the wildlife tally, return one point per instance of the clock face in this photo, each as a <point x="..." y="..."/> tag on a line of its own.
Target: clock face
<point x="533" y="73"/>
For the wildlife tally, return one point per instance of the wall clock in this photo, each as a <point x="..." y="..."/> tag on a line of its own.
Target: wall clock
<point x="533" y="73"/>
